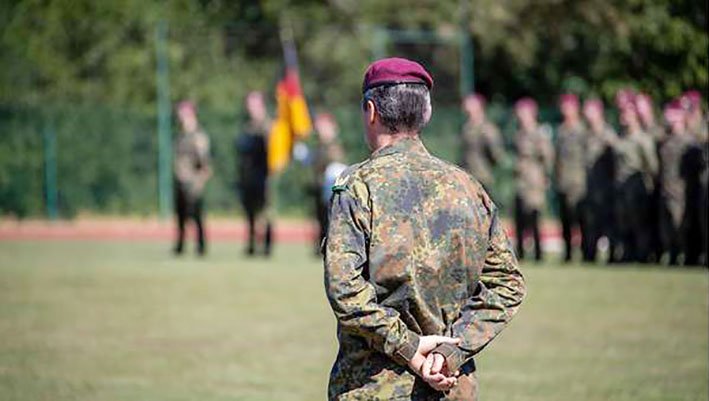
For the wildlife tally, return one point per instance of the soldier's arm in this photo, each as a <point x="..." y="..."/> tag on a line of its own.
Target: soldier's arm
<point x="494" y="303"/>
<point x="651" y="161"/>
<point x="352" y="298"/>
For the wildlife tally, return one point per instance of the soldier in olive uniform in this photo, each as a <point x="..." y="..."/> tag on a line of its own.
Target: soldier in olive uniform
<point x="636" y="164"/>
<point x="599" y="217"/>
<point x="672" y="185"/>
<point x="192" y="171"/>
<point x="252" y="172"/>
<point x="328" y="151"/>
<point x="482" y="143"/>
<point x="418" y="269"/>
<point x="694" y="170"/>
<point x="570" y="172"/>
<point x="535" y="156"/>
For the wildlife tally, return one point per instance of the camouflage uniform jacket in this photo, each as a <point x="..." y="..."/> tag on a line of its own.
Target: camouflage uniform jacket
<point x="635" y="153"/>
<point x="570" y="162"/>
<point x="191" y="162"/>
<point x="415" y="247"/>
<point x="482" y="149"/>
<point x="535" y="156"/>
<point x="672" y="185"/>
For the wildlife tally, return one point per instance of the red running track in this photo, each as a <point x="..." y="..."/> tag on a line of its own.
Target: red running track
<point x="100" y="229"/>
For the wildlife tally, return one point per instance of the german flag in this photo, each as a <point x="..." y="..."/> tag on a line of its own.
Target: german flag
<point x="293" y="119"/>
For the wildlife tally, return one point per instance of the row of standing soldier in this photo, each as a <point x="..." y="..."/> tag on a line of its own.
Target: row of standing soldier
<point x="644" y="190"/>
<point x="254" y="184"/>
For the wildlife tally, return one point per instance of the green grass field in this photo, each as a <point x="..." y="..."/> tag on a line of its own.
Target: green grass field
<point x="121" y="321"/>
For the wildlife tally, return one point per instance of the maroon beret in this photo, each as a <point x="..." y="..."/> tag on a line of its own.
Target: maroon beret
<point x="674" y="111"/>
<point x="692" y="99"/>
<point x="395" y="70"/>
<point x="569" y="98"/>
<point x="526" y="103"/>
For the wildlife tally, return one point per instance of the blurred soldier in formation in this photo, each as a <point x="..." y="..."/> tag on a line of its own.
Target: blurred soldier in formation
<point x="252" y="172"/>
<point x="328" y="154"/>
<point x="192" y="171"/>
<point x="534" y="161"/>
<point x="599" y="220"/>
<point x="636" y="164"/>
<point x="694" y="170"/>
<point x="570" y="172"/>
<point x="482" y="143"/>
<point x="657" y="134"/>
<point x="672" y="186"/>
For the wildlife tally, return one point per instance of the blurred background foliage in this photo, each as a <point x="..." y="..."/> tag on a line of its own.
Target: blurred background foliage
<point x="85" y="71"/>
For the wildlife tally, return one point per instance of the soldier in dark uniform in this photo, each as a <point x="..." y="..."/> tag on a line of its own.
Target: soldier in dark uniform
<point x="252" y="172"/>
<point x="672" y="185"/>
<point x="328" y="151"/>
<point x="482" y="143"/>
<point x="636" y="164"/>
<point x="694" y="170"/>
<point x="535" y="156"/>
<point x="418" y="269"/>
<point x="570" y="172"/>
<point x="192" y="171"/>
<point x="600" y="218"/>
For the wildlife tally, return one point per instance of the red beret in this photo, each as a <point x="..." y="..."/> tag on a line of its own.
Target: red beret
<point x="692" y="99"/>
<point x="394" y="71"/>
<point x="674" y="111"/>
<point x="186" y="105"/>
<point x="569" y="98"/>
<point x="476" y="97"/>
<point x="526" y="103"/>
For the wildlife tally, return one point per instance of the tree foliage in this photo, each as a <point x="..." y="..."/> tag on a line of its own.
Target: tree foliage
<point x="87" y="70"/>
<point x="103" y="51"/>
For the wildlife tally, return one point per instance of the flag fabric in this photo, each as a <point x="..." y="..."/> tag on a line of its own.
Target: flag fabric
<point x="292" y="119"/>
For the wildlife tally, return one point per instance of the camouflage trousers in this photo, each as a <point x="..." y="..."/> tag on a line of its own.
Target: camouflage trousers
<point x="465" y="390"/>
<point x="360" y="373"/>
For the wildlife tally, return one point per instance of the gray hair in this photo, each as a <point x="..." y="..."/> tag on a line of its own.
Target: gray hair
<point x="402" y="107"/>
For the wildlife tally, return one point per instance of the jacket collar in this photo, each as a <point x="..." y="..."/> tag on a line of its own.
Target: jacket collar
<point x="407" y="145"/>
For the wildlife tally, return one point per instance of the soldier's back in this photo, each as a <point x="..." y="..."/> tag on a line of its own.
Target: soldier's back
<point x="428" y="224"/>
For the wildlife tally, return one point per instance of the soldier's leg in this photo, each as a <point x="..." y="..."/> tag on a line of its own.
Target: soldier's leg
<point x="268" y="237"/>
<point x="565" y="215"/>
<point x="537" y="237"/>
<point x="643" y="224"/>
<point x="251" y="220"/>
<point x="181" y="214"/>
<point x="519" y="227"/>
<point x="588" y="239"/>
<point x="199" y="225"/>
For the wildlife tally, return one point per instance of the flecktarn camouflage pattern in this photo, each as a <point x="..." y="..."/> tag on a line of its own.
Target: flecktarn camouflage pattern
<point x="415" y="247"/>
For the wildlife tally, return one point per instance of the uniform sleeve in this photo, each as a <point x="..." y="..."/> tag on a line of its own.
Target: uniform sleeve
<point x="351" y="296"/>
<point x="652" y="164"/>
<point x="202" y="152"/>
<point x="495" y="301"/>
